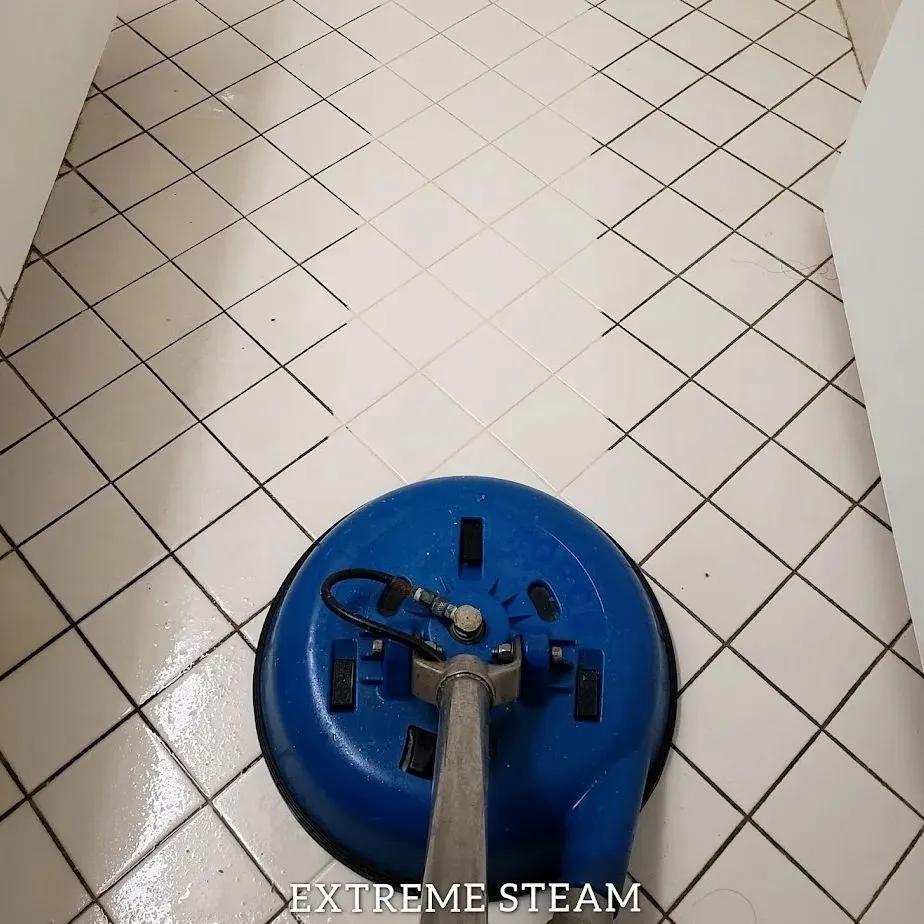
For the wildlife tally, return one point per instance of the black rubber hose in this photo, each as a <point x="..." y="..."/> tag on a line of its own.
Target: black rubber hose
<point x="370" y="625"/>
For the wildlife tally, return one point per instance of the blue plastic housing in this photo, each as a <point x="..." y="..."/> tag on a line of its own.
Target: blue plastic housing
<point x="564" y="794"/>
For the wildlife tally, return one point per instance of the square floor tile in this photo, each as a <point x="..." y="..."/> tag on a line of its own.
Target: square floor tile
<point x="92" y="552"/>
<point x="782" y="503"/>
<point x="752" y="877"/>
<point x="371" y="179"/>
<point x="212" y="365"/>
<point x="106" y="259"/>
<point x="613" y="275"/>
<point x="432" y="141"/>
<point x="778" y="148"/>
<point x="826" y="12"/>
<point x="380" y="101"/>
<point x="699" y="437"/>
<point x="806" y="43"/>
<point x="381" y="428"/>
<point x="305" y="220"/>
<point x="486" y="455"/>
<point x="101" y="126"/>
<point x="753" y="18"/>
<point x="331" y="481"/>
<point x="720" y="709"/>
<point x="543" y="15"/>
<point x="849" y="383"/>
<point x="258" y="815"/>
<point x="387" y="31"/>
<point x="385" y="268"/>
<point x="644" y="16"/>
<point x="182" y="215"/>
<point x="727" y="188"/>
<point x="132" y="9"/>
<point x="290" y="314"/>
<point x="607" y="186"/>
<point x="421" y="319"/>
<point x="584" y="433"/>
<point x="125" y="54"/>
<point x="156" y="310"/>
<point x="154" y="95"/>
<point x="793" y="230"/>
<point x="233" y="11"/>
<point x="832" y="435"/>
<point x="133" y="171"/>
<point x="601" y="107"/>
<point x="682" y="826"/>
<point x="437" y="67"/>
<point x="207" y="715"/>
<point x="249" y="425"/>
<point x="177" y="25"/>
<point x="684" y="326"/>
<point x="654" y="73"/>
<point x="339" y="12"/>
<point x="10" y="793"/>
<point x="489" y="183"/>
<point x="622" y="378"/>
<point x="545" y="70"/>
<point x="717" y="570"/>
<point x="243" y="576"/>
<point x="253" y="628"/>
<point x="329" y="63"/>
<point x="702" y="41"/>
<point x="713" y="110"/>
<point x="203" y="133"/>
<point x="490" y="104"/>
<point x="37" y="882"/>
<point x="508" y="374"/>
<point x="814" y="185"/>
<point x="351" y="369"/>
<point x="222" y="60"/>
<point x="42" y="301"/>
<point x="674" y="231"/>
<point x="662" y="146"/>
<point x="127" y="420"/>
<point x="811" y="324"/>
<point x="547" y="145"/>
<point x="55" y="366"/>
<point x="29" y="618"/>
<point x="155" y="629"/>
<point x="427" y="224"/>
<point x="742" y="277"/>
<point x="858" y="568"/>
<point x="282" y="28"/>
<point x="184" y="486"/>
<point x="694" y="643"/>
<point x="902" y="891"/>
<point x="252" y="175"/>
<point x="843" y="826"/>
<point x="222" y="880"/>
<point x="816" y="684"/>
<point x="22" y="411"/>
<point x="73" y="207"/>
<point x="130" y="778"/>
<point x="487" y="272"/>
<point x="822" y="110"/>
<point x="268" y="97"/>
<point x="492" y="35"/>
<point x="875" y="503"/>
<point x="596" y="38"/>
<point x="318" y="137"/>
<point x="549" y="228"/>
<point x="631" y="495"/>
<point x="552" y="323"/>
<point x="760" y="381"/>
<point x="70" y="694"/>
<point x="234" y="263"/>
<point x="762" y="76"/>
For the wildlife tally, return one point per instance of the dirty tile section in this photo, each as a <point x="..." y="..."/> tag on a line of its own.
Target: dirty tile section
<point x="280" y="227"/>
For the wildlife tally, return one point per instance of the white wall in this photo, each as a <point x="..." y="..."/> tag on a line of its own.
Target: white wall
<point x="869" y="22"/>
<point x="49" y="51"/>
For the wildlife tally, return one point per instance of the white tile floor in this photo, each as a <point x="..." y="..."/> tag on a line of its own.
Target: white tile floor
<point x="279" y="225"/>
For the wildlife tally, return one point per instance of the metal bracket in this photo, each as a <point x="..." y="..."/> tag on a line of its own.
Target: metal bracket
<point x="502" y="680"/>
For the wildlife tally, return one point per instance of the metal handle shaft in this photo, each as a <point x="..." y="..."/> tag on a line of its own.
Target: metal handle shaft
<point x="456" y="847"/>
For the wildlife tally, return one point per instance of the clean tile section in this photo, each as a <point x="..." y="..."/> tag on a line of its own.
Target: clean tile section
<point x="302" y="253"/>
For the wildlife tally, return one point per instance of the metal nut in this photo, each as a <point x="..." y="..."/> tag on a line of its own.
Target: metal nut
<point x="503" y="654"/>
